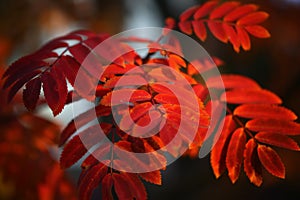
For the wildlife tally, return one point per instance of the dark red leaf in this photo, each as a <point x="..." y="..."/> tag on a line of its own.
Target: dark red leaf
<point x="82" y="120"/>
<point x="122" y="187"/>
<point x="19" y="84"/>
<point x="252" y="165"/>
<point x="271" y="161"/>
<point x="234" y="157"/>
<point x="90" y="180"/>
<point x="278" y="140"/>
<point x="51" y="92"/>
<point x="107" y="184"/>
<point x="274" y="125"/>
<point x="72" y="152"/>
<point x="264" y="111"/>
<point x="31" y="93"/>
<point x="136" y="187"/>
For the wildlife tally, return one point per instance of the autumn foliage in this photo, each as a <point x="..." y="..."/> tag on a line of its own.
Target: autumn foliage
<point x="254" y="124"/>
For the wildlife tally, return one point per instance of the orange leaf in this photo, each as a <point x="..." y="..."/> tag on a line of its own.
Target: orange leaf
<point x="258" y="31"/>
<point x="199" y="29"/>
<point x="232" y="37"/>
<point x="152" y="177"/>
<point x="232" y="81"/>
<point x="234" y="157"/>
<point x="271" y="161"/>
<point x="121" y="97"/>
<point x="240" y="12"/>
<point x="253" y="18"/>
<point x="264" y="111"/>
<point x="205" y="9"/>
<point x="186" y="27"/>
<point x="244" y="38"/>
<point x="252" y="165"/>
<point x="218" y="153"/>
<point x="274" y="125"/>
<point x="217" y="30"/>
<point x="240" y="96"/>
<point x="278" y="140"/>
<point x="188" y="13"/>
<point x="223" y="9"/>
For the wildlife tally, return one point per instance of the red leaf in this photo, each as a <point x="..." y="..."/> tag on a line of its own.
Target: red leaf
<point x="107" y="184"/>
<point x="186" y="27"/>
<point x="234" y="157"/>
<point x="199" y="29"/>
<point x="31" y="93"/>
<point x="253" y="18"/>
<point x="274" y="125"/>
<point x="264" y="111"/>
<point x="258" y="31"/>
<point x="205" y="9"/>
<point x="90" y="180"/>
<point x="271" y="161"/>
<point x="122" y="97"/>
<point x="223" y="9"/>
<point x="217" y="30"/>
<point x="188" y="13"/>
<point x="240" y="12"/>
<point x="278" y="140"/>
<point x="252" y="165"/>
<point x="218" y="153"/>
<point x="152" y="177"/>
<point x="244" y="38"/>
<point x="241" y="96"/>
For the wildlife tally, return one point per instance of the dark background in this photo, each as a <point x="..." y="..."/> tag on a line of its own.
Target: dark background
<point x="274" y="63"/>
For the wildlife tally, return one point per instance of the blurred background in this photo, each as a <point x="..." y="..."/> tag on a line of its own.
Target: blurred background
<point x="274" y="63"/>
